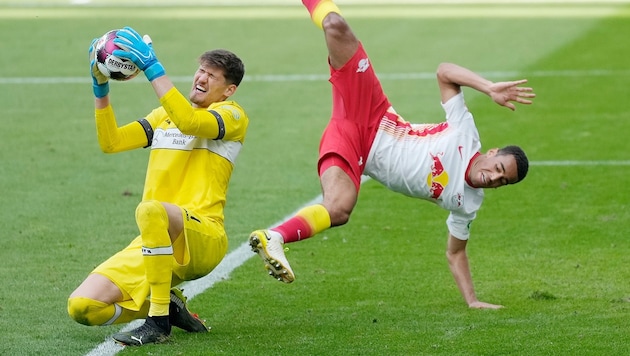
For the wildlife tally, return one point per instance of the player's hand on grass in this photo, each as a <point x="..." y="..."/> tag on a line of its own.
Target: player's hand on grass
<point x="100" y="83"/>
<point x="483" y="305"/>
<point x="505" y="93"/>
<point x="140" y="51"/>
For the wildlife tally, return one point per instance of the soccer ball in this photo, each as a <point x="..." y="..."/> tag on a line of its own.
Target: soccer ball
<point x="111" y="66"/>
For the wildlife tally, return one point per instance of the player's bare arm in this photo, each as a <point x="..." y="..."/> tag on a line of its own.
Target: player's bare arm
<point x="101" y="103"/>
<point x="460" y="268"/>
<point x="451" y="77"/>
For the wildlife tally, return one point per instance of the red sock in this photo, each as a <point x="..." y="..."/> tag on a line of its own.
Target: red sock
<point x="294" y="229"/>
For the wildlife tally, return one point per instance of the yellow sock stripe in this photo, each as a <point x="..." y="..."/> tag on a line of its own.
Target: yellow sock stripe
<point x="157" y="251"/>
<point x="317" y="217"/>
<point x="322" y="9"/>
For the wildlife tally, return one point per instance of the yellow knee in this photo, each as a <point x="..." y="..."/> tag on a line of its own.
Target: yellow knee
<point x="90" y="312"/>
<point x="151" y="213"/>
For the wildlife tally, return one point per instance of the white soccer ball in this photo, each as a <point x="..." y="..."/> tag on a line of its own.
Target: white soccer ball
<point x="111" y="66"/>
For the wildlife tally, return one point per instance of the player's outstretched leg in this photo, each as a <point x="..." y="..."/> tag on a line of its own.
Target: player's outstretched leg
<point x="179" y="315"/>
<point x="268" y="244"/>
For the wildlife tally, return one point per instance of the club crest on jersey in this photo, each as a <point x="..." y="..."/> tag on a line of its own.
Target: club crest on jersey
<point x="364" y="64"/>
<point x="437" y="180"/>
<point x="235" y="113"/>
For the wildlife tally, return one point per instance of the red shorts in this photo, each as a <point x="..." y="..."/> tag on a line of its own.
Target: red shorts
<point x="358" y="105"/>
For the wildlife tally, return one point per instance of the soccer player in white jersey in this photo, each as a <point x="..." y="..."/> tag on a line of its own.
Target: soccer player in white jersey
<point x="193" y="149"/>
<point x="440" y="163"/>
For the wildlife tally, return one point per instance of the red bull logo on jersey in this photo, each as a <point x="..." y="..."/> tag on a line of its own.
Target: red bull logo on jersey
<point x="437" y="180"/>
<point x="363" y="65"/>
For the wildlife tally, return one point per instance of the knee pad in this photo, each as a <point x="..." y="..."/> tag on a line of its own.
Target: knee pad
<point x="151" y="214"/>
<point x="152" y="221"/>
<point x="90" y="312"/>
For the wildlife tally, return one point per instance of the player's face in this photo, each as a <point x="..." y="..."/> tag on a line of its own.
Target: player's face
<point x="209" y="86"/>
<point x="493" y="171"/>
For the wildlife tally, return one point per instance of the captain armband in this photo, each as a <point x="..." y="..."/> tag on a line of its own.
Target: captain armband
<point x="148" y="130"/>
<point x="220" y="123"/>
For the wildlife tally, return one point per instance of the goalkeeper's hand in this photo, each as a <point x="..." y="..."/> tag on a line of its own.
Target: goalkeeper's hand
<point x="100" y="83"/>
<point x="140" y="51"/>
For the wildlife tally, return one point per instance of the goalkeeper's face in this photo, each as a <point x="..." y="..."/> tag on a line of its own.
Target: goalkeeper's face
<point x="209" y="86"/>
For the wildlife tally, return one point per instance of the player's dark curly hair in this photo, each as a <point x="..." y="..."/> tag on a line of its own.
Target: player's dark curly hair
<point x="522" y="163"/>
<point x="232" y="66"/>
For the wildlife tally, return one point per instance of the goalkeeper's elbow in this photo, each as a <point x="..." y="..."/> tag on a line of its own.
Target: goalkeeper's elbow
<point x="107" y="149"/>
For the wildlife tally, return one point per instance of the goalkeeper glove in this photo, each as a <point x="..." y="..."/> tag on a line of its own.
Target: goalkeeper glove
<point x="140" y="51"/>
<point x="100" y="83"/>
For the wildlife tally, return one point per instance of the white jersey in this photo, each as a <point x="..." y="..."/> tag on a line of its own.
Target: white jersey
<point x="429" y="161"/>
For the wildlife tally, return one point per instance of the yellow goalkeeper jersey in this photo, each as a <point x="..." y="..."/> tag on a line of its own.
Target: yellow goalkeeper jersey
<point x="193" y="151"/>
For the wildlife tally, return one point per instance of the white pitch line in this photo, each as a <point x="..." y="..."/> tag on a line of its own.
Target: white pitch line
<point x="241" y="254"/>
<point x="324" y="77"/>
<point x="579" y="163"/>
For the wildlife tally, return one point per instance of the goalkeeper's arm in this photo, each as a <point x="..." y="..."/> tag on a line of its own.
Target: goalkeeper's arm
<point x="112" y="138"/>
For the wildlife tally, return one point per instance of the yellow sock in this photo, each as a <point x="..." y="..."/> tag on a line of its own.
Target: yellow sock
<point x="157" y="250"/>
<point x="307" y="222"/>
<point x="159" y="273"/>
<point x="317" y="217"/>
<point x="321" y="10"/>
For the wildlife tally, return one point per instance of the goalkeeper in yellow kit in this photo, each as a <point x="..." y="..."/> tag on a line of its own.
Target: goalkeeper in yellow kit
<point x="193" y="149"/>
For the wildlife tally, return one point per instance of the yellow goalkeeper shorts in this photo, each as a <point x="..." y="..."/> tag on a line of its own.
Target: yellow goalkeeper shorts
<point x="196" y="253"/>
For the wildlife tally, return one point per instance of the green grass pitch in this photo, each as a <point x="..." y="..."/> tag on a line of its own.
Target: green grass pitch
<point x="553" y="249"/>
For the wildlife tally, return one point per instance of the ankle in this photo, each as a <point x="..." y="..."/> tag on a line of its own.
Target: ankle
<point x="161" y="322"/>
